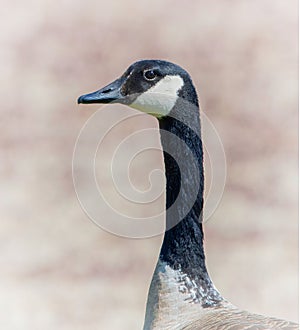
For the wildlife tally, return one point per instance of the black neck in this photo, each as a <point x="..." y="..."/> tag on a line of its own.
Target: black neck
<point x="182" y="247"/>
<point x="183" y="157"/>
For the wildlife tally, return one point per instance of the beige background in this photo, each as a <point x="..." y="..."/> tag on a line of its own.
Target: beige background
<point x="58" y="270"/>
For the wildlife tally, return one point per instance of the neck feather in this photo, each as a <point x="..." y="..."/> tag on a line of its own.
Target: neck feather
<point x="181" y="288"/>
<point x="183" y="157"/>
<point x="182" y="248"/>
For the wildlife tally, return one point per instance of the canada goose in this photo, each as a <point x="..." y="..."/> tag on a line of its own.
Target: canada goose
<point x="181" y="294"/>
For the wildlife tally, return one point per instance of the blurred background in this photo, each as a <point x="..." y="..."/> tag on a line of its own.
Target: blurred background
<point x="59" y="270"/>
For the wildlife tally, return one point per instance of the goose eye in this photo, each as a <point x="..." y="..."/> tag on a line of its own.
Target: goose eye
<point x="150" y="74"/>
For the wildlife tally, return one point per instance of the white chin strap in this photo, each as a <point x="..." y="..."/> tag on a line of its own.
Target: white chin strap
<point x="161" y="98"/>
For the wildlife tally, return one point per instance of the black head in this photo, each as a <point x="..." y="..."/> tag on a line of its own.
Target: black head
<point x="151" y="86"/>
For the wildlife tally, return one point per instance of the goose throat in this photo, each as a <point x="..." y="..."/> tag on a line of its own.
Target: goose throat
<point x="182" y="249"/>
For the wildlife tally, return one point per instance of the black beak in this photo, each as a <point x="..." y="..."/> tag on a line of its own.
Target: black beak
<point x="107" y="94"/>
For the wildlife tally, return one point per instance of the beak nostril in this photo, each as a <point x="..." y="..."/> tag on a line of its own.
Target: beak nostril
<point x="107" y="90"/>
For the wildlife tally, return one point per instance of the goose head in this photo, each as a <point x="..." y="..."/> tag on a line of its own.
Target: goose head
<point x="151" y="86"/>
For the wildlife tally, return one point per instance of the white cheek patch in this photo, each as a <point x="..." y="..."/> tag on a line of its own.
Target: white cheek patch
<point x="161" y="98"/>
